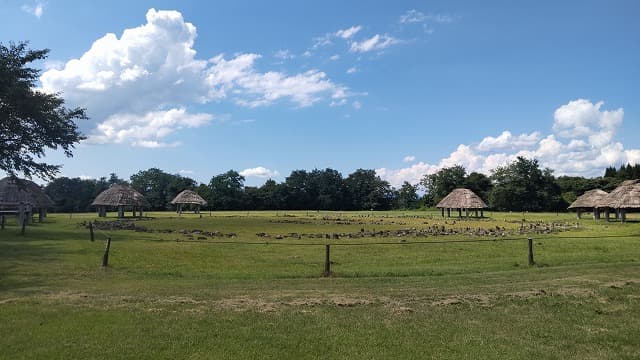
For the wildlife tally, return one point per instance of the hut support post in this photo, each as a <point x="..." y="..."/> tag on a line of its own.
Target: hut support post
<point x="596" y="213"/>
<point x="442" y="210"/>
<point x="476" y="212"/>
<point x="134" y="211"/>
<point x="617" y="214"/>
<point x="141" y="212"/>
<point x="623" y="215"/>
<point x="467" y="212"/>
<point x="448" y="212"/>
<point x="481" y="213"/>
<point x="197" y="209"/>
<point x="2" y="221"/>
<point x="180" y="209"/>
<point x="120" y="211"/>
<point x="459" y="212"/>
<point x="42" y="213"/>
<point x="606" y="214"/>
<point x="579" y="214"/>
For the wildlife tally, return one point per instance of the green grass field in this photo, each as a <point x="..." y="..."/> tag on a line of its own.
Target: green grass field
<point x="250" y="285"/>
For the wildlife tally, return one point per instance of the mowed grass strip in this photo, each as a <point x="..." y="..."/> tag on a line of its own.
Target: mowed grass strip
<point x="166" y="295"/>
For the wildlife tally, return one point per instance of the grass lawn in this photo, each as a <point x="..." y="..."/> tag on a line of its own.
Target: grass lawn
<point x="249" y="285"/>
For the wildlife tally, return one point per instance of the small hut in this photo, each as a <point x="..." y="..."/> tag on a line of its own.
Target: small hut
<point x="462" y="199"/>
<point x="622" y="199"/>
<point x="188" y="197"/>
<point x="588" y="201"/>
<point x="23" y="198"/>
<point x="119" y="196"/>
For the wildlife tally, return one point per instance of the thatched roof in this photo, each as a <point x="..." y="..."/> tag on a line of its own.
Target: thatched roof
<point x="625" y="196"/>
<point x="119" y="195"/>
<point x="189" y="197"/>
<point x="462" y="199"/>
<point x="589" y="199"/>
<point x="12" y="193"/>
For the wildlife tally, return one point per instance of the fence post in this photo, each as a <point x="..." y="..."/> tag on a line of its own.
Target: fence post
<point x="91" y="230"/>
<point x="531" y="262"/>
<point x="327" y="261"/>
<point x="105" y="257"/>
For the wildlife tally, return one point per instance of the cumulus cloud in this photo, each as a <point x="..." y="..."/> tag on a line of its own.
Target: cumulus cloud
<point x="582" y="144"/>
<point x="152" y="69"/>
<point x="409" y="158"/>
<point x="352" y="70"/>
<point x="259" y="172"/>
<point x="376" y="42"/>
<point x="147" y="130"/>
<point x="37" y="9"/>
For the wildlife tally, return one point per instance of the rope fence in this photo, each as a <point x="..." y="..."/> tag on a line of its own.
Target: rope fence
<point x="327" y="245"/>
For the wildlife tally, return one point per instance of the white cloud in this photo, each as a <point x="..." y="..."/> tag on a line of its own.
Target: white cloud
<point x="147" y="130"/>
<point x="37" y="9"/>
<point x="283" y="55"/>
<point x="415" y="16"/>
<point x="412" y="174"/>
<point x="348" y="33"/>
<point x="589" y="147"/>
<point x="153" y="69"/>
<point x="412" y="16"/>
<point x="185" y="172"/>
<point x="259" y="172"/>
<point x="507" y="140"/>
<point x="352" y="70"/>
<point x="334" y="57"/>
<point x="409" y="158"/>
<point x="376" y="42"/>
<point x="356" y="105"/>
<point x="86" y="177"/>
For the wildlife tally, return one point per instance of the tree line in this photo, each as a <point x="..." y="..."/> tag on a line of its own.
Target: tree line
<point x="519" y="186"/>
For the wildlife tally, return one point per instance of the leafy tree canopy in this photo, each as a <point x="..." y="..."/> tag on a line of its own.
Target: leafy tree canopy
<point x="31" y="121"/>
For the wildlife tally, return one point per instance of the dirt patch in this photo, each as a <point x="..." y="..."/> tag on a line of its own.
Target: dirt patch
<point x="447" y="302"/>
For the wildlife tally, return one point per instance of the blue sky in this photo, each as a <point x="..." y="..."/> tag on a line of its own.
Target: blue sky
<point x="403" y="87"/>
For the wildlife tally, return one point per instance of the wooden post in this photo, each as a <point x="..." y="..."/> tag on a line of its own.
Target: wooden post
<point x="606" y="214"/>
<point x="623" y="215"/>
<point x="2" y="220"/>
<point x="442" y="212"/>
<point x="531" y="262"/>
<point x="105" y="257"/>
<point x="460" y="212"/>
<point x="596" y="213"/>
<point x="579" y="213"/>
<point x="120" y="211"/>
<point x="24" y="224"/>
<point x="91" y="230"/>
<point x="327" y="261"/>
<point x="448" y="212"/>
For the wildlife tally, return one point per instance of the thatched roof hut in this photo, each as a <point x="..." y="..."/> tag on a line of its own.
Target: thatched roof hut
<point x="120" y="196"/>
<point x="623" y="198"/>
<point x="589" y="199"/>
<point x="188" y="197"/>
<point x="13" y="192"/>
<point x="23" y="197"/>
<point x="461" y="199"/>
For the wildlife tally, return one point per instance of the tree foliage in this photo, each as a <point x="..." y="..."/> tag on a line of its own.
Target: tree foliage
<point x="159" y="187"/>
<point x="31" y="121"/>
<point x="523" y="186"/>
<point x="440" y="184"/>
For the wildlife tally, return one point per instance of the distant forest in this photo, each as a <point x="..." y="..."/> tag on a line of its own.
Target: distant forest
<point x="519" y="186"/>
